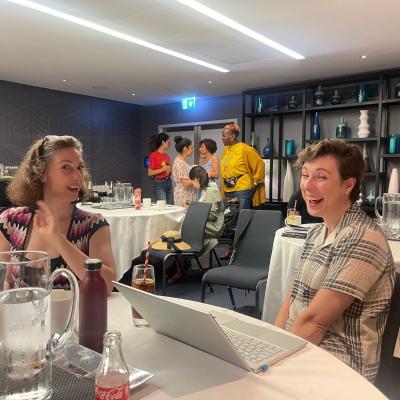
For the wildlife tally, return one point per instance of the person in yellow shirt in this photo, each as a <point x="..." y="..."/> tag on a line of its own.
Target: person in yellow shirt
<point x="242" y="170"/>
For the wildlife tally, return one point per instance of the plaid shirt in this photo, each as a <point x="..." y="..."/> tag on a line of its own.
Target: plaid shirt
<point x="356" y="260"/>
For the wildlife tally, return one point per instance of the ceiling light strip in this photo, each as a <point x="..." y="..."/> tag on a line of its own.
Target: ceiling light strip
<point x="91" y="25"/>
<point x="195" y="5"/>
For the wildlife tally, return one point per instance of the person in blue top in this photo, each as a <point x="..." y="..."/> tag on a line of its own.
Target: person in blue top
<point x="208" y="159"/>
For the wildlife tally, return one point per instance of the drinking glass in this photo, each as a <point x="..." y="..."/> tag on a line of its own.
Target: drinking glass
<point x="293" y="217"/>
<point x="27" y="345"/>
<point x="143" y="279"/>
<point x="128" y="193"/>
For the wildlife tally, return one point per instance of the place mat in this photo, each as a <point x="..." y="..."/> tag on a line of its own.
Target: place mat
<point x="67" y="386"/>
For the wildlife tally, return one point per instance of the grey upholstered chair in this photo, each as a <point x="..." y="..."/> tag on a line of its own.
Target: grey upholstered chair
<point x="387" y="379"/>
<point x="252" y="247"/>
<point x="192" y="233"/>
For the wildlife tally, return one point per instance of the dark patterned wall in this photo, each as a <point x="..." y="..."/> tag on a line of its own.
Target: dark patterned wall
<point x="107" y="129"/>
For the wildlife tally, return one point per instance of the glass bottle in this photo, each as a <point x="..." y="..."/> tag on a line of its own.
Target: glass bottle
<point x="92" y="306"/>
<point x="112" y="376"/>
<point x="138" y="198"/>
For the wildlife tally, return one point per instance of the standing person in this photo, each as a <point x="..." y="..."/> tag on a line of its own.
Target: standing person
<point x="242" y="170"/>
<point x="160" y="168"/>
<point x="184" y="191"/>
<point x="208" y="159"/>
<point x="49" y="181"/>
<point x="340" y="295"/>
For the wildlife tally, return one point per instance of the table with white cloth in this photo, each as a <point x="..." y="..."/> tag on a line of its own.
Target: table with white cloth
<point x="181" y="371"/>
<point x="131" y="230"/>
<point x="286" y="252"/>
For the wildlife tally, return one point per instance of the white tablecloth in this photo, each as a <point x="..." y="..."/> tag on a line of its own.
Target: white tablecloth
<point x="183" y="372"/>
<point x="131" y="230"/>
<point x="285" y="254"/>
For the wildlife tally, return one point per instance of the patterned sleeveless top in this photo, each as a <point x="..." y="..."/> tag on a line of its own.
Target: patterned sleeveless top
<point x="15" y="224"/>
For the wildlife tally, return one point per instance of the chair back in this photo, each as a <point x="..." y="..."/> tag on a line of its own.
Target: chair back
<point x="387" y="378"/>
<point x="194" y="225"/>
<point x="254" y="237"/>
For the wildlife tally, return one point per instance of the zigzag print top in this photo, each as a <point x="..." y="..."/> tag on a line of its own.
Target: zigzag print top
<point x="15" y="224"/>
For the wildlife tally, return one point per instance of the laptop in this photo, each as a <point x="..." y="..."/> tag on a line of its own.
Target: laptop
<point x="244" y="344"/>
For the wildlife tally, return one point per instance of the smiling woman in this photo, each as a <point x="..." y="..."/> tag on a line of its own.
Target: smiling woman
<point x="50" y="180"/>
<point x="340" y="294"/>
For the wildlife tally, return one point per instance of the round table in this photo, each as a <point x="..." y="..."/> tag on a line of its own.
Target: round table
<point x="131" y="230"/>
<point x="181" y="371"/>
<point x="285" y="254"/>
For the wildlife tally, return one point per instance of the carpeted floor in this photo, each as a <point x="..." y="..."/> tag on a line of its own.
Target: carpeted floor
<point x="189" y="288"/>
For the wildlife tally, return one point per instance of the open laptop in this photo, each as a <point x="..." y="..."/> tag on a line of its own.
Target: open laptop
<point x="246" y="345"/>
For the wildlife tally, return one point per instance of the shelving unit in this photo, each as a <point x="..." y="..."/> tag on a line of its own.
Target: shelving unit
<point x="274" y="117"/>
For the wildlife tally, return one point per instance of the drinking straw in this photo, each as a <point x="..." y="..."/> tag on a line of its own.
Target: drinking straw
<point x="146" y="261"/>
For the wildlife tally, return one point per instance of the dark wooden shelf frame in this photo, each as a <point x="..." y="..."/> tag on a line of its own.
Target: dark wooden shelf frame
<point x="381" y="103"/>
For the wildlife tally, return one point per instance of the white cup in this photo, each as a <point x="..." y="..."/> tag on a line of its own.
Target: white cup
<point x="60" y="303"/>
<point x="161" y="204"/>
<point x="146" y="203"/>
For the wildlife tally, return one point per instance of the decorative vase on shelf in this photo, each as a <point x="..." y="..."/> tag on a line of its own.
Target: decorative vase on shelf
<point x="363" y="128"/>
<point x="397" y="91"/>
<point x="288" y="183"/>
<point x="259" y="105"/>
<point x="275" y="103"/>
<point x="362" y="93"/>
<point x="292" y="105"/>
<point x="341" y="129"/>
<point x="253" y="140"/>
<point x="371" y="198"/>
<point x="315" y="133"/>
<point x="367" y="164"/>
<point x="266" y="151"/>
<point x="394" y="181"/>
<point x="336" y="99"/>
<point x="319" y="96"/>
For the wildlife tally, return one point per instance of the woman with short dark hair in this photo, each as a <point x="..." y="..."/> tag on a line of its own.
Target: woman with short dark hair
<point x="340" y="295"/>
<point x="208" y="159"/>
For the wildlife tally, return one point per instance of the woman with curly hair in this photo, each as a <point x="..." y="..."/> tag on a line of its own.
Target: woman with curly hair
<point x="49" y="182"/>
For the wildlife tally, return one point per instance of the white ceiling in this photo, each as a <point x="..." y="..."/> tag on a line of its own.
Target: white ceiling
<point x="41" y="50"/>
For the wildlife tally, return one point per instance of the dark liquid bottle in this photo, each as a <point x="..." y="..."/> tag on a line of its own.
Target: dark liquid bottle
<point x="92" y="307"/>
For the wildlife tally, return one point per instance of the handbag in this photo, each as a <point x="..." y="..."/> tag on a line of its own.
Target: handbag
<point x="231" y="181"/>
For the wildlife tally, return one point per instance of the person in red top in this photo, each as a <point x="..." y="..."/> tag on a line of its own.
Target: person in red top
<point x="160" y="168"/>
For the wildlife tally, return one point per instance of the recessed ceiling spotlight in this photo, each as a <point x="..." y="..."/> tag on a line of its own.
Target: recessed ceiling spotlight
<point x="133" y="94"/>
<point x="363" y="57"/>
<point x="210" y="82"/>
<point x="64" y="80"/>
<point x="111" y="32"/>
<point x="209" y="12"/>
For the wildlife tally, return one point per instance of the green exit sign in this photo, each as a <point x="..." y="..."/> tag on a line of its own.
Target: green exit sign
<point x="189" y="103"/>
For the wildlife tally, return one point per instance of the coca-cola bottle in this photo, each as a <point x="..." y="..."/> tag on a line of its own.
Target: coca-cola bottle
<point x="92" y="306"/>
<point x="138" y="198"/>
<point x="112" y="376"/>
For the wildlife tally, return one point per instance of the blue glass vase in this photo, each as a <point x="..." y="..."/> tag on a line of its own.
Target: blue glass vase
<point x="315" y="128"/>
<point x="266" y="151"/>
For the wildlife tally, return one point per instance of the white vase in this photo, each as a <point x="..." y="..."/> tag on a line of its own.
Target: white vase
<point x="394" y="181"/>
<point x="288" y="183"/>
<point x="363" y="128"/>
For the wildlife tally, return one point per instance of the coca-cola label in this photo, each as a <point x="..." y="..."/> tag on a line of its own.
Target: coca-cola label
<point x="114" y="393"/>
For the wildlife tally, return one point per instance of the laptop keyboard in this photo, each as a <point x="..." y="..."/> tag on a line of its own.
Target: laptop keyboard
<point x="251" y="349"/>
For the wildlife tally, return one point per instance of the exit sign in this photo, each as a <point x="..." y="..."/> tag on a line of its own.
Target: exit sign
<point x="188" y="103"/>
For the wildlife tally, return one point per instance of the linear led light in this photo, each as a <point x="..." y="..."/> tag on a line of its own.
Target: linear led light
<point x="111" y="32"/>
<point x="195" y="5"/>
